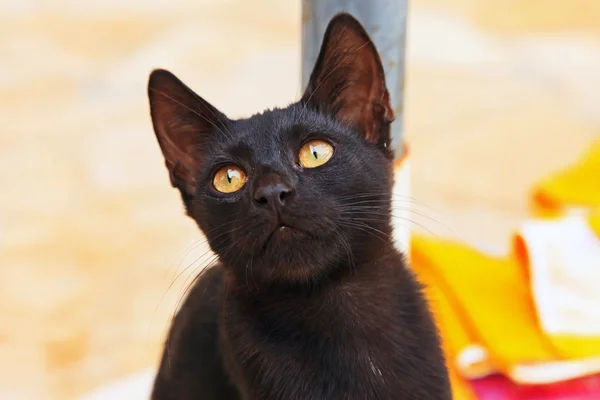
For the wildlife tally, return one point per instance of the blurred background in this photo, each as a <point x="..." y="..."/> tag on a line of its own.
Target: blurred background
<point x="95" y="250"/>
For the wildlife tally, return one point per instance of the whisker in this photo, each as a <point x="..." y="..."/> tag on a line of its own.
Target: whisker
<point x="199" y="243"/>
<point x="373" y="211"/>
<point x="394" y="197"/>
<point x="173" y="280"/>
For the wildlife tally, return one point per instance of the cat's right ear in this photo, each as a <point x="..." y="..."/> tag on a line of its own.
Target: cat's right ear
<point x="183" y="123"/>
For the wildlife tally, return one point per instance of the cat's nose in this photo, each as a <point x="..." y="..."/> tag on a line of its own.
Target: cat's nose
<point x="273" y="194"/>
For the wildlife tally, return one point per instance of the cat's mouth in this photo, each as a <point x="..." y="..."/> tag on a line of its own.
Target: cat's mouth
<point x="284" y="233"/>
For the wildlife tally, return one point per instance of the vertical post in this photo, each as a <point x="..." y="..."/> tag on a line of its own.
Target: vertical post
<point x="385" y="21"/>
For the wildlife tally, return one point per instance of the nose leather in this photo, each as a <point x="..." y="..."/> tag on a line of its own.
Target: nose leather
<point x="273" y="191"/>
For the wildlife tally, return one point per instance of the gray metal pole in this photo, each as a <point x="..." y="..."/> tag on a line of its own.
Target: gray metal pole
<point x="385" y="21"/>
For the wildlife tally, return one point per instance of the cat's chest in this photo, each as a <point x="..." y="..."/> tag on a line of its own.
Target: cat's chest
<point x="328" y="358"/>
<point x="331" y="334"/>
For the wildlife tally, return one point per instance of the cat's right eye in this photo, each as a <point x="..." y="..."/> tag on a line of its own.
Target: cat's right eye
<point x="229" y="179"/>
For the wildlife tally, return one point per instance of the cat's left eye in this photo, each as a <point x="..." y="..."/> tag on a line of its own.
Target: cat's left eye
<point x="229" y="179"/>
<point x="315" y="153"/>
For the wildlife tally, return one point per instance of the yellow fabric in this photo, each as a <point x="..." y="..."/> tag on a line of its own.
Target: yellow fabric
<point x="484" y="300"/>
<point x="490" y="302"/>
<point x="594" y="221"/>
<point x="454" y="336"/>
<point x="461" y="390"/>
<point x="577" y="186"/>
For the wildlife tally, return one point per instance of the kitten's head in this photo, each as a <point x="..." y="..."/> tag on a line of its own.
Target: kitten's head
<point x="290" y="194"/>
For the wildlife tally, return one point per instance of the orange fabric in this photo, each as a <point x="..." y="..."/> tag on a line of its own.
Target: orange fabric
<point x="565" y="346"/>
<point x="405" y="153"/>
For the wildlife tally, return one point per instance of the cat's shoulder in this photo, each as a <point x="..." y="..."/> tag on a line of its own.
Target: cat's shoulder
<point x="206" y="290"/>
<point x="201" y="304"/>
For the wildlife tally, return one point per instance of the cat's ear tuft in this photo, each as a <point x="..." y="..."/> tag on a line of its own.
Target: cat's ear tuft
<point x="184" y="124"/>
<point x="348" y="81"/>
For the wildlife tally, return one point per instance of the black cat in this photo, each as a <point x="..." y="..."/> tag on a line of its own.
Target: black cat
<point x="310" y="300"/>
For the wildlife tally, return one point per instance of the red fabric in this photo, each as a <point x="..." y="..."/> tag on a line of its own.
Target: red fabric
<point x="500" y="388"/>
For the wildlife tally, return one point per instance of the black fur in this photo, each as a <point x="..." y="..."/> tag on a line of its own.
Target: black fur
<point x="326" y="307"/>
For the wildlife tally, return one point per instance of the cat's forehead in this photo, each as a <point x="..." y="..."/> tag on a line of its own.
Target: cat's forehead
<point x="273" y="129"/>
<point x="279" y="122"/>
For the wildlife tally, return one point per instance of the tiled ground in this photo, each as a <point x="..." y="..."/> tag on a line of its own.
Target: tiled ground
<point x="91" y="235"/>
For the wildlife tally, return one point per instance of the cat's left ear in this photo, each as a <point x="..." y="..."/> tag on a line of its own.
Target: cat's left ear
<point x="348" y="81"/>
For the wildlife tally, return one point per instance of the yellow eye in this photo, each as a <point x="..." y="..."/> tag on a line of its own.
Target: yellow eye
<point x="229" y="179"/>
<point x="315" y="153"/>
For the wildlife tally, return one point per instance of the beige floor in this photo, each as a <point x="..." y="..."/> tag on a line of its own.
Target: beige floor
<point x="499" y="93"/>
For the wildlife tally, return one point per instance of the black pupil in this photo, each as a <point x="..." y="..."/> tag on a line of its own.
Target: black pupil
<point x="229" y="176"/>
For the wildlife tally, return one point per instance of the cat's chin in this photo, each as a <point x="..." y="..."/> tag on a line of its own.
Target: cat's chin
<point x="288" y="255"/>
